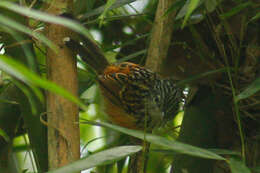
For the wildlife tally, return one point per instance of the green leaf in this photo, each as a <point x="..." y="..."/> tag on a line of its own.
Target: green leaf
<point x="133" y="55"/>
<point x="8" y="101"/>
<point x="225" y="152"/>
<point x="192" y="6"/>
<point x="4" y="135"/>
<point x="217" y="151"/>
<point x="199" y="76"/>
<point x="8" y="22"/>
<point x="108" y="5"/>
<point x="22" y="73"/>
<point x="100" y="158"/>
<point x="81" y="6"/>
<point x="250" y="90"/>
<point x="27" y="92"/>
<point x="211" y="5"/>
<point x="257" y="16"/>
<point x="237" y="166"/>
<point x="174" y="7"/>
<point x="235" y="10"/>
<point x="99" y="10"/>
<point x="161" y="141"/>
<point x="38" y="15"/>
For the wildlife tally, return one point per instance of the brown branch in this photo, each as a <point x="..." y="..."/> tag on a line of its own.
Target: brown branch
<point x="62" y="148"/>
<point x="161" y="36"/>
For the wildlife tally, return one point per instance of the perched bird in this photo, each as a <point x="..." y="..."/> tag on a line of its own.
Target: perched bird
<point x="134" y="96"/>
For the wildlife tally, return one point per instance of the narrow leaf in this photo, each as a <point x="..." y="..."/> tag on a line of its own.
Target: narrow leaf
<point x="257" y="16"/>
<point x="73" y="25"/>
<point x="235" y="10"/>
<point x="191" y="7"/>
<point x="161" y="141"/>
<point x="131" y="56"/>
<point x="225" y="152"/>
<point x="99" y="10"/>
<point x="237" y="166"/>
<point x="28" y="94"/>
<point x="217" y="151"/>
<point x="174" y="7"/>
<point x="211" y="5"/>
<point x="108" y="5"/>
<point x="199" y="76"/>
<point x="22" y="73"/>
<point x="5" y="21"/>
<point x="100" y="158"/>
<point x="250" y="90"/>
<point x="4" y="135"/>
<point x="8" y="101"/>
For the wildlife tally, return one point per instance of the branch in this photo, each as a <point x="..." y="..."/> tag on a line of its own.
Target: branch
<point x="161" y="36"/>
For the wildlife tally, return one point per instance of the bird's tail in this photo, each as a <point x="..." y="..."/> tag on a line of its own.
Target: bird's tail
<point x="87" y="49"/>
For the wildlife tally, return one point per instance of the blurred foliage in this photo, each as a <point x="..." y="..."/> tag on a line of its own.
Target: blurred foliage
<point x="214" y="51"/>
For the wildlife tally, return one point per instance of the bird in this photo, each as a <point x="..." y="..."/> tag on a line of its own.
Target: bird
<point x="134" y="96"/>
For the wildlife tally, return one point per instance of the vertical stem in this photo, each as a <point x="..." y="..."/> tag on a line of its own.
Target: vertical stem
<point x="161" y="36"/>
<point x="242" y="138"/>
<point x="63" y="131"/>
